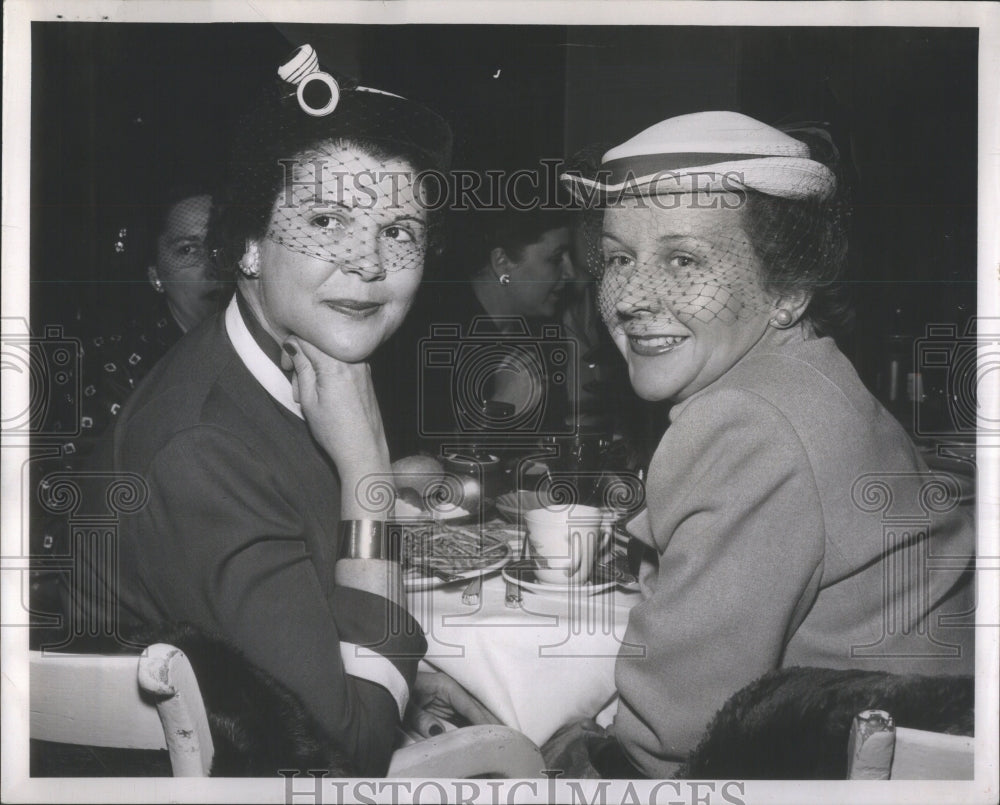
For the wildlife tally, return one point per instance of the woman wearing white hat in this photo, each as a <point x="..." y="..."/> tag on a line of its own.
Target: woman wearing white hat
<point x="765" y="536"/>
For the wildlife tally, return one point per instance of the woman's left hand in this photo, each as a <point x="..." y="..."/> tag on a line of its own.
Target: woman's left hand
<point x="437" y="696"/>
<point x="570" y="749"/>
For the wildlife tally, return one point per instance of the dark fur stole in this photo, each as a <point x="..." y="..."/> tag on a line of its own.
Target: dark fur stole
<point x="794" y="723"/>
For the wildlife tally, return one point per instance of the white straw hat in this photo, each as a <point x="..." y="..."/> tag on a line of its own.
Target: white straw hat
<point x="709" y="151"/>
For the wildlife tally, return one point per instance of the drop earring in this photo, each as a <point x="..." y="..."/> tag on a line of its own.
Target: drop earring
<point x="250" y="262"/>
<point x="158" y="286"/>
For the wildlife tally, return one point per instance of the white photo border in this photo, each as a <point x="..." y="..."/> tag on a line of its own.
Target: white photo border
<point x="18" y="15"/>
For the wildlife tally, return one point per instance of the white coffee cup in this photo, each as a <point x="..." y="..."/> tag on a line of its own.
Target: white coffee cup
<point x="565" y="540"/>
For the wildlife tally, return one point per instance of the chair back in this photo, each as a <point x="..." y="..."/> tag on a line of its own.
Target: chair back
<point x="879" y="750"/>
<point x="128" y="701"/>
<point x="153" y="701"/>
<point x="923" y="755"/>
<point x="91" y="700"/>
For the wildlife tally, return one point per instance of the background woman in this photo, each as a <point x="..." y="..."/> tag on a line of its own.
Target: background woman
<point x="256" y="436"/>
<point x="764" y="537"/>
<point x="180" y="267"/>
<point x="184" y="287"/>
<point x="517" y="272"/>
<point x="507" y="274"/>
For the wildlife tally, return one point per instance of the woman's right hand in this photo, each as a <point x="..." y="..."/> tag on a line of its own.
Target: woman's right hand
<point x="339" y="404"/>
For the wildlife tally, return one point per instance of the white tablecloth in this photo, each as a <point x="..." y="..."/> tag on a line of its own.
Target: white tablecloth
<point x="536" y="668"/>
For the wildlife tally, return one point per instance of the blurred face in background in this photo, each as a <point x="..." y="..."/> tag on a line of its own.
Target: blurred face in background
<point x="538" y="276"/>
<point x="183" y="269"/>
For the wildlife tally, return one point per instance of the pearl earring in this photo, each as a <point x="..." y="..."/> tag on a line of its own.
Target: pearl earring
<point x="158" y="286"/>
<point x="782" y="319"/>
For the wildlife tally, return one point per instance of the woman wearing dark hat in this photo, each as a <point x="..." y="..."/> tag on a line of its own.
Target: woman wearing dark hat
<point x="764" y="536"/>
<point x="258" y="435"/>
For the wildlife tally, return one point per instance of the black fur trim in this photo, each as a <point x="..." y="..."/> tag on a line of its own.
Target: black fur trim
<point x="794" y="723"/>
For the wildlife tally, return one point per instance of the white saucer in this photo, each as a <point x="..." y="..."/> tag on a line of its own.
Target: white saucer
<point x="525" y="578"/>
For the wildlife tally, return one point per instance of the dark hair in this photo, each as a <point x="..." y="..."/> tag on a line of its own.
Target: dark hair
<point x="511" y="224"/>
<point x="802" y="246"/>
<point x="276" y="129"/>
<point x="155" y="219"/>
<point x="588" y="220"/>
<point x="510" y="230"/>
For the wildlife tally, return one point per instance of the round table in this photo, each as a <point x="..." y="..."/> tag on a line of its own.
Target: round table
<point x="536" y="667"/>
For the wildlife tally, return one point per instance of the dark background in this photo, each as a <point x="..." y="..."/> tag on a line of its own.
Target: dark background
<point x="120" y="110"/>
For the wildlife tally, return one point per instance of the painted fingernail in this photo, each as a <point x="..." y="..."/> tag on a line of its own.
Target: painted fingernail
<point x="436" y="729"/>
<point x="290" y="349"/>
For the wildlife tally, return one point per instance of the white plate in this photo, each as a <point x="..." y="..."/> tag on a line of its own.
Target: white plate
<point x="526" y="580"/>
<point x="415" y="580"/>
<point x="504" y="532"/>
<point x="446" y="515"/>
<point x="404" y="510"/>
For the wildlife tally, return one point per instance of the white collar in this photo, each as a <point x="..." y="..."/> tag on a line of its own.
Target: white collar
<point x="261" y="367"/>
